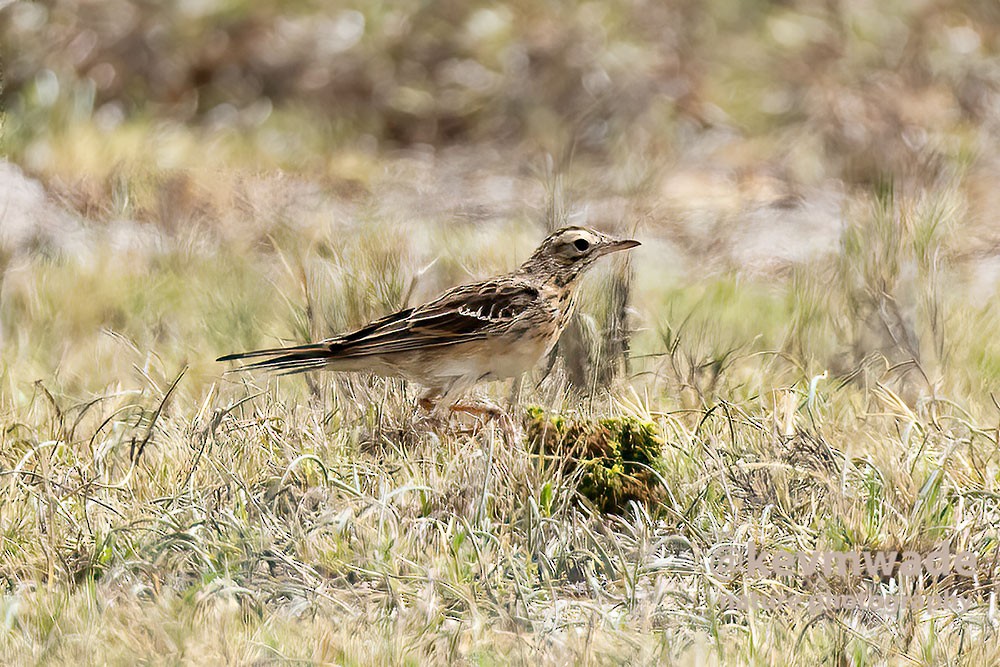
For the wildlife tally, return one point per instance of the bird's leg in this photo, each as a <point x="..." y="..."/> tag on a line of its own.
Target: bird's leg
<point x="428" y="399"/>
<point x="435" y="415"/>
<point x="478" y="408"/>
<point x="491" y="413"/>
<point x="436" y="402"/>
<point x="441" y="402"/>
<point x="448" y="396"/>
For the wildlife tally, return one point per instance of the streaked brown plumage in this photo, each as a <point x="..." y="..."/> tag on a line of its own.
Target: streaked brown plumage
<point x="488" y="330"/>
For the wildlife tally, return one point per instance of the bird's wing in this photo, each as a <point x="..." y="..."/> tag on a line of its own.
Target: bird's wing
<point x="465" y="313"/>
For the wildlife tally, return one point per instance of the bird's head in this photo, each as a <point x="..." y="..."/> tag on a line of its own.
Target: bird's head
<point x="568" y="252"/>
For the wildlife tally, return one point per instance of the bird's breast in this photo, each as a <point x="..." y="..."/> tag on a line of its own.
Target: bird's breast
<point x="508" y="353"/>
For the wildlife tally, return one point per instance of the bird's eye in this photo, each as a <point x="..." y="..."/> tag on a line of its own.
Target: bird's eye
<point x="581" y="244"/>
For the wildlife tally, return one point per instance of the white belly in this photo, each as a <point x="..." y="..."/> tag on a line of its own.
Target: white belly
<point x="501" y="361"/>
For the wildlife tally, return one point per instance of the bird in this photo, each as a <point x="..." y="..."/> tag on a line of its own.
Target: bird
<point x="482" y="331"/>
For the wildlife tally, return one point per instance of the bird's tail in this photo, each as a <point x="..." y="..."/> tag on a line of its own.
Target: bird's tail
<point x="284" y="360"/>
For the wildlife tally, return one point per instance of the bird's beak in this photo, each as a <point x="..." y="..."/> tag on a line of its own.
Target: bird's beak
<point x="615" y="246"/>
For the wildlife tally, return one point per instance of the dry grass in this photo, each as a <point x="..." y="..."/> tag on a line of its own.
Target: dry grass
<point x="811" y="330"/>
<point x="153" y="508"/>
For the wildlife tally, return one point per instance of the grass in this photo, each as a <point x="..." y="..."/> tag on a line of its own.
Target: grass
<point x="153" y="509"/>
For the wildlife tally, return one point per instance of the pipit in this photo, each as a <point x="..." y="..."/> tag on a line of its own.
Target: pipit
<point x="489" y="330"/>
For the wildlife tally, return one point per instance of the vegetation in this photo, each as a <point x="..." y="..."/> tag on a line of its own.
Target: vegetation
<point x="801" y="355"/>
<point x="616" y="460"/>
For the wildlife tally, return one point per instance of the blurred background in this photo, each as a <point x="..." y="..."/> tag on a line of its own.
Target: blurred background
<point x="221" y="173"/>
<point x="807" y="334"/>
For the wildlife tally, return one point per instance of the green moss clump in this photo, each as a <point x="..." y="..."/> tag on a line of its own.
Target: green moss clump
<point x="619" y="459"/>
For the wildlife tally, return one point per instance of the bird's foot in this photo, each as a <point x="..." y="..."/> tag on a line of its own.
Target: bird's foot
<point x="482" y="412"/>
<point x="487" y="412"/>
<point x="479" y="408"/>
